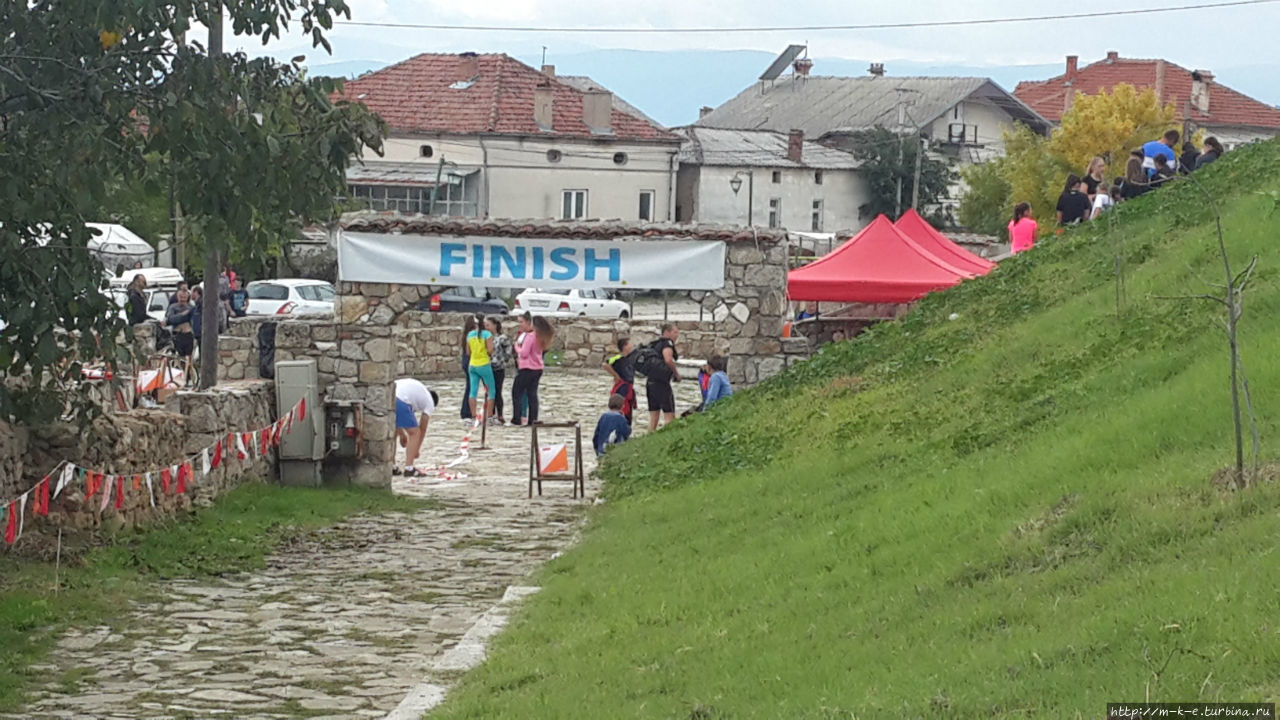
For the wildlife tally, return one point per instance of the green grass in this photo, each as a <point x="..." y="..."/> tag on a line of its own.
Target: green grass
<point x="97" y="586"/>
<point x="1008" y="515"/>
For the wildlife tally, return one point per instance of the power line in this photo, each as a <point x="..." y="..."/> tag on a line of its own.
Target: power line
<point x="810" y="28"/>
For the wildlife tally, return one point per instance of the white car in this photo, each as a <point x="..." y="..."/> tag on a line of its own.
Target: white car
<point x="157" y="301"/>
<point x="571" y="303"/>
<point x="290" y="297"/>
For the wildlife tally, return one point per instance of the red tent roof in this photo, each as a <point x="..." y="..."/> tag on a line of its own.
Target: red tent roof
<point x="927" y="237"/>
<point x="878" y="265"/>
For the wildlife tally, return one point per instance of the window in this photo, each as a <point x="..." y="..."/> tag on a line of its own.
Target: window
<point x="620" y="158"/>
<point x="777" y="176"/>
<point x="574" y="206"/>
<point x="646" y="204"/>
<point x="315" y="293"/>
<point x="816" y="225"/>
<point x="554" y="156"/>
<point x="268" y="291"/>
<point x="775" y="212"/>
<point x="817" y="177"/>
<point x="326" y="292"/>
<point x="457" y="196"/>
<point x="425" y="151"/>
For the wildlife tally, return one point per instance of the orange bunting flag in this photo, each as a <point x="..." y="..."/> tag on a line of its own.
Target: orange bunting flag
<point x="90" y="484"/>
<point x="217" y="455"/>
<point x="11" y="528"/>
<point x="137" y="483"/>
<point x="182" y="477"/>
<point x="42" y="498"/>
<point x="119" y="493"/>
<point x="302" y="409"/>
<point x="264" y="440"/>
<point x="166" y="476"/>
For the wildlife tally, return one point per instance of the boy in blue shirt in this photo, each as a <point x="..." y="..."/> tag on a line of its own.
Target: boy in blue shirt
<point x="612" y="427"/>
<point x="1160" y="148"/>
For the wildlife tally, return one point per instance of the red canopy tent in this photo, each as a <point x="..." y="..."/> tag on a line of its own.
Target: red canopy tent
<point x="919" y="229"/>
<point x="878" y="265"/>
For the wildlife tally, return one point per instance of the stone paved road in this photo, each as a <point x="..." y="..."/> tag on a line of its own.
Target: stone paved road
<point x="344" y="622"/>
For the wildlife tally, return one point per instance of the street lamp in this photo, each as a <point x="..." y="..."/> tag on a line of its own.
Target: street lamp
<point x="735" y="184"/>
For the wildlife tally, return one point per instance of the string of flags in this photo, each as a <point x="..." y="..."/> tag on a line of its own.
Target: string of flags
<point x="109" y="488"/>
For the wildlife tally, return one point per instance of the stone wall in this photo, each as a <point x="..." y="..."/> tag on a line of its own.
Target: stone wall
<point x="140" y="441"/>
<point x="354" y="363"/>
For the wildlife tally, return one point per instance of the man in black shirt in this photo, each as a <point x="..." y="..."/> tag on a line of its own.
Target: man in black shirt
<point x="1073" y="205"/>
<point x="657" y="386"/>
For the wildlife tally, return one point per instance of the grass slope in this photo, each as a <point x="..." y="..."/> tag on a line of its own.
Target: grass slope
<point x="1007" y="515"/>
<point x="97" y="588"/>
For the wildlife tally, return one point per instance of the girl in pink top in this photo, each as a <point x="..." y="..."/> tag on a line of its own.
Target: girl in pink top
<point x="535" y="337"/>
<point x="1022" y="229"/>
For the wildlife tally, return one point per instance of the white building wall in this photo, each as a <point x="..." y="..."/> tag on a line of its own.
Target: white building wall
<point x="991" y="123"/>
<point x="522" y="182"/>
<point x="841" y="191"/>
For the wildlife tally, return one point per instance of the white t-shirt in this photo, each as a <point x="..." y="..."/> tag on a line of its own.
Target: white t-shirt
<point x="1102" y="201"/>
<point x="415" y="395"/>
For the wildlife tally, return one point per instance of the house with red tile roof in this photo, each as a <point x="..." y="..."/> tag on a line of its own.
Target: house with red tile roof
<point x="1201" y="101"/>
<point x="484" y="135"/>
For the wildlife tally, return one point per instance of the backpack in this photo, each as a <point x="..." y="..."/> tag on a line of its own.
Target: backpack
<point x="649" y="359"/>
<point x="503" y="355"/>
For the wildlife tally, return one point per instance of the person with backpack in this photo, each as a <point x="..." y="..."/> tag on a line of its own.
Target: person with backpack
<point x="503" y="357"/>
<point x="658" y="362"/>
<point x="480" y="372"/>
<point x="623" y="369"/>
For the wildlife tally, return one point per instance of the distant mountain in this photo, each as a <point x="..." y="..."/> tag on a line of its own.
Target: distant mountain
<point x="670" y="86"/>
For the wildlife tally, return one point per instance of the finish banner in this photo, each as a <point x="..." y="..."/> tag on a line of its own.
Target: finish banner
<point x="530" y="263"/>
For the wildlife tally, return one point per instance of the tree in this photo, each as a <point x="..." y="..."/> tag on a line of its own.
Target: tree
<point x="1109" y="125"/>
<point x="89" y="90"/>
<point x="889" y="159"/>
<point x="985" y="205"/>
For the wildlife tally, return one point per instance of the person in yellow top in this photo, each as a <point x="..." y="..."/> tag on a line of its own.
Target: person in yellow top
<point x="479" y="346"/>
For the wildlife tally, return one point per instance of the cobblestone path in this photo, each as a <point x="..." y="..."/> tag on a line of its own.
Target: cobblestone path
<point x="344" y="622"/>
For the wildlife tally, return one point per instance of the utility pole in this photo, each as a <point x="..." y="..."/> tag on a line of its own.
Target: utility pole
<point x="915" y="183"/>
<point x="902" y="121"/>
<point x="209" y="299"/>
<point x="435" y="189"/>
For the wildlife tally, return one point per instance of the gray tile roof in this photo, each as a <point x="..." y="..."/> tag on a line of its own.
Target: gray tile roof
<point x="394" y="173"/>
<point x="392" y="222"/>
<point x="820" y="105"/>
<point x="755" y="148"/>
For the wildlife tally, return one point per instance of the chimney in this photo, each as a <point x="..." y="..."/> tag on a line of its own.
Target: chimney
<point x="468" y="66"/>
<point x="704" y="111"/>
<point x="876" y="69"/>
<point x="549" y="70"/>
<point x="1112" y="56"/>
<point x="597" y="110"/>
<point x="802" y="66"/>
<point x="795" y="146"/>
<point x="1201" y="81"/>
<point x="1072" y="62"/>
<point x="1160" y="67"/>
<point x="543" y="106"/>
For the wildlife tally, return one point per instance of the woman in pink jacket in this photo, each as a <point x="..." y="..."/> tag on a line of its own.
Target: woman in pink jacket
<point x="534" y="339"/>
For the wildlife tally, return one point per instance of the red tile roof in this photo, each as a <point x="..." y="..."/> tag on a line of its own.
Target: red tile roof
<point x="1227" y="107"/>
<point x="423" y="94"/>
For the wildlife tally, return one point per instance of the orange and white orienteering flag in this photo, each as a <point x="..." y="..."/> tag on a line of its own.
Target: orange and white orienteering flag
<point x="553" y="459"/>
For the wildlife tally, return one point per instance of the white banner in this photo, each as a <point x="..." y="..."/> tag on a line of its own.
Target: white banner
<point x="530" y="263"/>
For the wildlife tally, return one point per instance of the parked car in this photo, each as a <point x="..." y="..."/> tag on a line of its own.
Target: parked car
<point x="157" y="300"/>
<point x="290" y="296"/>
<point x="464" y="299"/>
<point x="572" y="303"/>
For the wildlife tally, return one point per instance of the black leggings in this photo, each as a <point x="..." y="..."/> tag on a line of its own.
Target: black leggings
<point x="525" y="386"/>
<point x="499" y="374"/>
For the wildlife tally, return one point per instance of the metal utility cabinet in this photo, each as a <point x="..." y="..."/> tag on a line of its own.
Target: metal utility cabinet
<point x="302" y="449"/>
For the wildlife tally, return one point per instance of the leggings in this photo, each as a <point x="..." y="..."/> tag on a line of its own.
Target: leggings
<point x="525" y="386"/>
<point x="466" y="393"/>
<point x="499" y="374"/>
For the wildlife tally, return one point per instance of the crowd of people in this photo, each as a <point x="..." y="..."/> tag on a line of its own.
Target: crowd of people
<point x="1086" y="197"/>
<point x="487" y="355"/>
<point x="184" y="313"/>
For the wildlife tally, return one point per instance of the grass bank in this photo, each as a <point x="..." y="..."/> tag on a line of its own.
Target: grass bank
<point x="1008" y="514"/>
<point x="96" y="586"/>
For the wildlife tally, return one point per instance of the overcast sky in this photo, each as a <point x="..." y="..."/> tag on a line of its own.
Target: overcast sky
<point x="1212" y="39"/>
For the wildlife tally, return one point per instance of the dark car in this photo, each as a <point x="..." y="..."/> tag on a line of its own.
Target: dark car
<point x="464" y="299"/>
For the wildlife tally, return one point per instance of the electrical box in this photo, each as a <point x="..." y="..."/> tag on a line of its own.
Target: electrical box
<point x="343" y="426"/>
<point x="302" y="448"/>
